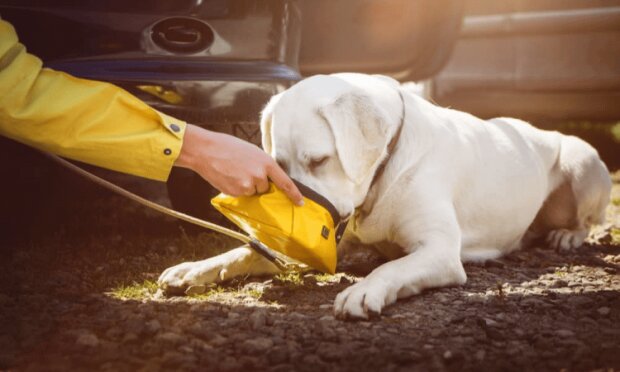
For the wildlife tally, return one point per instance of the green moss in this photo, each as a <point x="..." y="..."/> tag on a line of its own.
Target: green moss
<point x="560" y="273"/>
<point x="326" y="278"/>
<point x="209" y="293"/>
<point x="135" y="291"/>
<point x="214" y="291"/>
<point x="256" y="293"/>
<point x="615" y="235"/>
<point x="292" y="278"/>
<point x="615" y="132"/>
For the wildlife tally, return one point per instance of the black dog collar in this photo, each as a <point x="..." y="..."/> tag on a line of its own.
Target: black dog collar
<point x="340" y="224"/>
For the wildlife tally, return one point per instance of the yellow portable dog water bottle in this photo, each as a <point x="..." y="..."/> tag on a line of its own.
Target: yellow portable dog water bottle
<point x="308" y="233"/>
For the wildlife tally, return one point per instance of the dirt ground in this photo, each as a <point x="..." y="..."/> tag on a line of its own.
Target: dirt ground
<point x="77" y="293"/>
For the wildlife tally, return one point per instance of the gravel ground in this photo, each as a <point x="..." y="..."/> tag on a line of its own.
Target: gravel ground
<point x="77" y="293"/>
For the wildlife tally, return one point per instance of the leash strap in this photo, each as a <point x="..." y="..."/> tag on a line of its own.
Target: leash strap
<point x="259" y="247"/>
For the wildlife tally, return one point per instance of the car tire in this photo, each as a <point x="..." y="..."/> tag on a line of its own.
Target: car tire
<point x="192" y="195"/>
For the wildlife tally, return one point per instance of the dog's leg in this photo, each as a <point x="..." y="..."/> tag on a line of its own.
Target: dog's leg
<point x="580" y="201"/>
<point x="434" y="243"/>
<point x="237" y="262"/>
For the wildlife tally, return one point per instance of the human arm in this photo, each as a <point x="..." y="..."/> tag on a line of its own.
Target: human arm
<point x="94" y="122"/>
<point x="102" y="124"/>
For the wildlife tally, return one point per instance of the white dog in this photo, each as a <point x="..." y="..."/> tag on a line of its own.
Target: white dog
<point x="429" y="187"/>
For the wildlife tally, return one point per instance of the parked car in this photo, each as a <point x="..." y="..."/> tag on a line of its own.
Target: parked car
<point x="215" y="63"/>
<point x="541" y="60"/>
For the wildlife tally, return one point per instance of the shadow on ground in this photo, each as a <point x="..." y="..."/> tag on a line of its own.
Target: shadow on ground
<point x="61" y="307"/>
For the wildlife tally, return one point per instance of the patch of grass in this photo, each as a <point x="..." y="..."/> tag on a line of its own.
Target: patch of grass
<point x="135" y="291"/>
<point x="217" y="290"/>
<point x="615" y="132"/>
<point x="292" y="278"/>
<point x="615" y="235"/>
<point x="209" y="293"/>
<point x="254" y="292"/>
<point x="326" y="278"/>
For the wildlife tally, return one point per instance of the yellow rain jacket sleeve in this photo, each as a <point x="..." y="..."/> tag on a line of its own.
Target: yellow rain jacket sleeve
<point x="90" y="121"/>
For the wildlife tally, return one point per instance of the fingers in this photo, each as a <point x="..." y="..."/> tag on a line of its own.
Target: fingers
<point x="282" y="180"/>
<point x="248" y="189"/>
<point x="233" y="166"/>
<point x="261" y="185"/>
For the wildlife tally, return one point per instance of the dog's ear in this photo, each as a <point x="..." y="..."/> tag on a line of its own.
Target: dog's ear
<point x="360" y="133"/>
<point x="266" y="118"/>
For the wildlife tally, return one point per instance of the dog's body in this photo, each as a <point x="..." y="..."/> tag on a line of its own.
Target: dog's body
<point x="453" y="187"/>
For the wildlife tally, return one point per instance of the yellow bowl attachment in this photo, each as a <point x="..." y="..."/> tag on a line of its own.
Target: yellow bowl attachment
<point x="305" y="233"/>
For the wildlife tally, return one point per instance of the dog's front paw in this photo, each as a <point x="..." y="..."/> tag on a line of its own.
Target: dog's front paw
<point x="176" y="279"/>
<point x="364" y="300"/>
<point x="565" y="240"/>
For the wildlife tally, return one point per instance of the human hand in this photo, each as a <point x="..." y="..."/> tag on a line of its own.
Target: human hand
<point x="231" y="165"/>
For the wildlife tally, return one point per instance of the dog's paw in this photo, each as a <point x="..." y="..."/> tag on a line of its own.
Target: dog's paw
<point x="363" y="300"/>
<point x="176" y="279"/>
<point x="566" y="240"/>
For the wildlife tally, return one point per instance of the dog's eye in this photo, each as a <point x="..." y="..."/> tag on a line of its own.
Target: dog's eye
<point x="315" y="163"/>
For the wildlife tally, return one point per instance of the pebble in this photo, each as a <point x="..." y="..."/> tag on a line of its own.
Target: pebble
<point x="490" y="322"/>
<point x="199" y="345"/>
<point x="329" y="351"/>
<point x="531" y="301"/>
<point x="565" y="333"/>
<point x="152" y="326"/>
<point x="114" y="333"/>
<point x="230" y="364"/>
<point x="88" y="339"/>
<point x="603" y="310"/>
<point x="233" y="315"/>
<point x="258" y="319"/>
<point x="282" y="368"/>
<point x="559" y="283"/>
<point x="297" y="316"/>
<point x="130" y="337"/>
<point x="494" y="334"/>
<point x="278" y="355"/>
<point x="328" y="332"/>
<point x="494" y="263"/>
<point x="135" y="325"/>
<point x="257" y="345"/>
<point x="591" y="322"/>
<point x="312" y="360"/>
<point x="170" y="337"/>
<point x="218" y="340"/>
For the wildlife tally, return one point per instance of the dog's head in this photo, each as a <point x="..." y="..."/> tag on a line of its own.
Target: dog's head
<point x="331" y="133"/>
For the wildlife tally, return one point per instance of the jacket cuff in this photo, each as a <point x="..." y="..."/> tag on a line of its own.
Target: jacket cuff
<point x="167" y="147"/>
